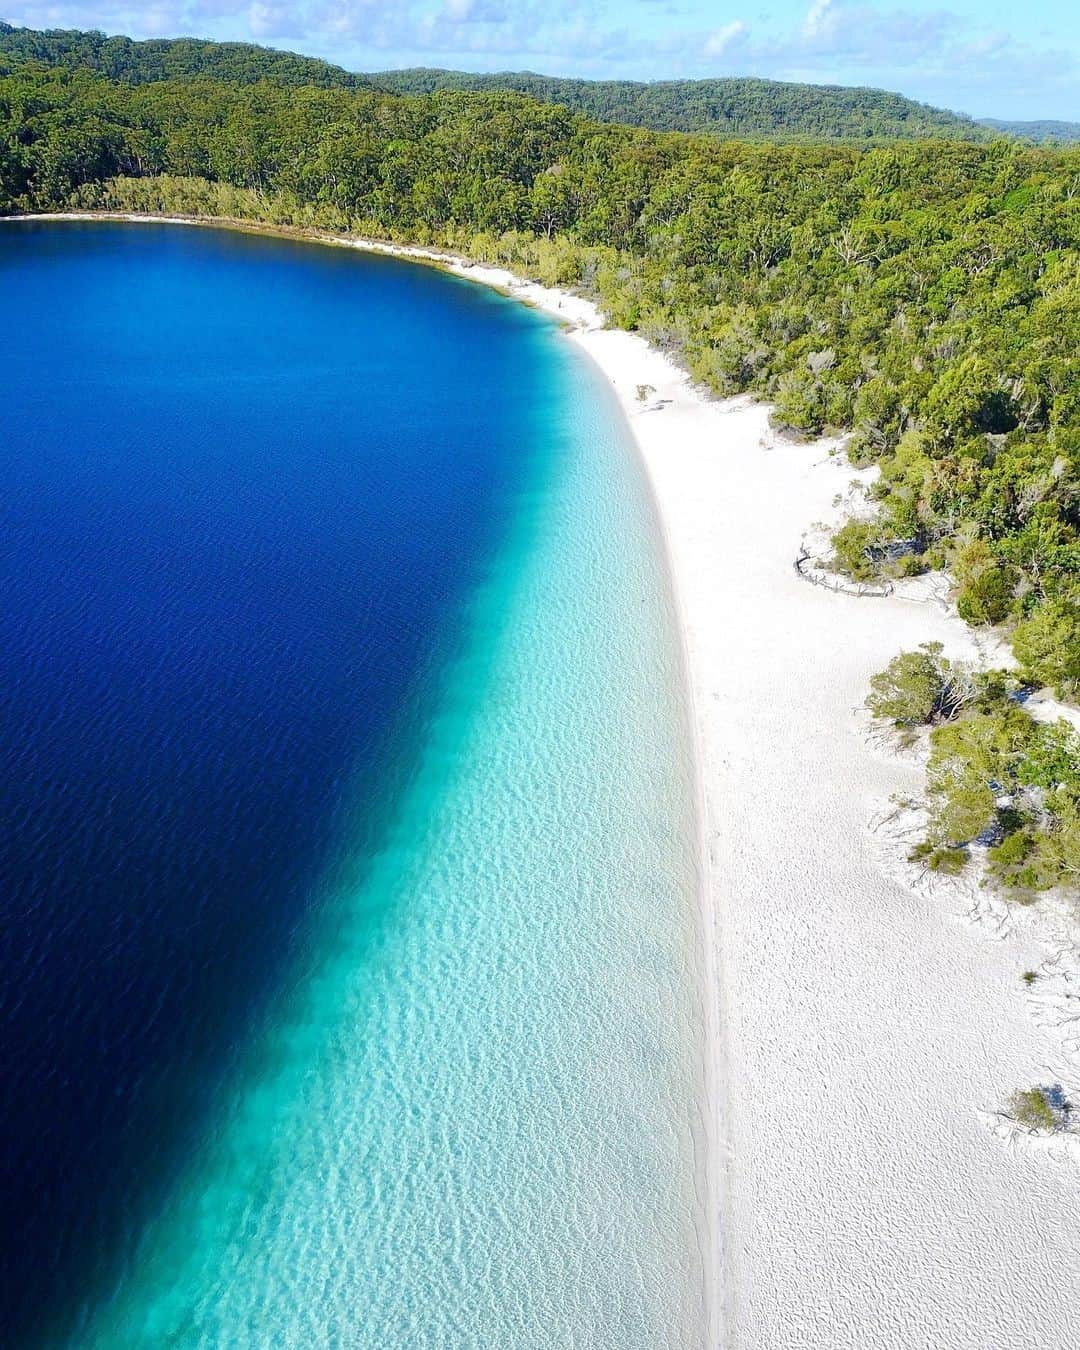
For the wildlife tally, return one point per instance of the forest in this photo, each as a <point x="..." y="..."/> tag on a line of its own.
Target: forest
<point x="744" y="109"/>
<point x="923" y="295"/>
<point x="732" y="108"/>
<point x="122" y="58"/>
<point x="1043" y="130"/>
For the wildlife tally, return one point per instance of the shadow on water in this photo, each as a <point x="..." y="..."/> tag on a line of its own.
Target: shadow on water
<point x="221" y="639"/>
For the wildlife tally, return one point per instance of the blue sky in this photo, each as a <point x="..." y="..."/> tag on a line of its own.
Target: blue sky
<point x="985" y="57"/>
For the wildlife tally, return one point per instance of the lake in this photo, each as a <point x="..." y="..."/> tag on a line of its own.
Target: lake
<point x="351" y="985"/>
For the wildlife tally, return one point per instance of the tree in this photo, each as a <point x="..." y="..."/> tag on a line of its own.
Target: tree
<point x="920" y="687"/>
<point x="986" y="585"/>
<point x="857" y="547"/>
<point x="1047" y="645"/>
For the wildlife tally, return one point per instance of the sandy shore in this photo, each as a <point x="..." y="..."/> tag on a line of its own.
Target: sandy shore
<point x="865" y="1031"/>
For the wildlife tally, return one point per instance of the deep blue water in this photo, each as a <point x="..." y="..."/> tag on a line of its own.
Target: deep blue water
<point x="349" y="983"/>
<point x="235" y="522"/>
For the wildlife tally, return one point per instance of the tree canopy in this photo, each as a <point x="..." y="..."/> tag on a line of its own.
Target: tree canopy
<point x="733" y="108"/>
<point x="131" y="62"/>
<point x="741" y="108"/>
<point x="1044" y="130"/>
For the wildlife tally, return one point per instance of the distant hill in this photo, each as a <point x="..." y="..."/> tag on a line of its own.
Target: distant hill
<point x="735" y="108"/>
<point x="744" y="109"/>
<point x="1035" y="131"/>
<point x="129" y="62"/>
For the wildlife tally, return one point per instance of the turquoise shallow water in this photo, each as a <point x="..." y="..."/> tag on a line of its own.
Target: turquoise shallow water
<point x="466" y="1114"/>
<point x="478" y="1131"/>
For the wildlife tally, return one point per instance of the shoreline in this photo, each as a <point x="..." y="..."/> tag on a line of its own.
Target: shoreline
<point x="580" y="319"/>
<point x="850" y="1181"/>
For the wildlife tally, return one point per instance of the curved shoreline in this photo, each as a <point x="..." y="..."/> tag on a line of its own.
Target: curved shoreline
<point x="852" y="1182"/>
<point x="580" y="319"/>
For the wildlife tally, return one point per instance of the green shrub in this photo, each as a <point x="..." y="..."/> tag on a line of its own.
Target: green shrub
<point x="963" y="807"/>
<point x="857" y="549"/>
<point x="995" y="767"/>
<point x="1055" y="855"/>
<point x="938" y="858"/>
<point x="1040" y="1109"/>
<point x="1047" y="645"/>
<point x="986" y="585"/>
<point x="911" y="565"/>
<point x="799" y="402"/>
<point x="919" y="687"/>
<point x="1012" y="850"/>
<point x="1052" y="758"/>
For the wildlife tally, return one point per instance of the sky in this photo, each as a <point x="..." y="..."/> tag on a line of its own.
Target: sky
<point x="989" y="58"/>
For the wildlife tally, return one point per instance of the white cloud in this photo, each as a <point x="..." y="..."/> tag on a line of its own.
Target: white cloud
<point x="818" y="18"/>
<point x="271" y="20"/>
<point x="724" y="39"/>
<point x="155" y="19"/>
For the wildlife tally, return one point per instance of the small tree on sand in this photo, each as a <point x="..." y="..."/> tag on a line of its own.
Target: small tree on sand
<point x="1042" y="1110"/>
<point x="920" y="687"/>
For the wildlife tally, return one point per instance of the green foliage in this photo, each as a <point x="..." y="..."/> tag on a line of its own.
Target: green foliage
<point x="986" y="585"/>
<point x="992" y="741"/>
<point x="940" y="858"/>
<point x="995" y="772"/>
<point x="1052" y="757"/>
<point x="920" y="687"/>
<point x="857" y="547"/>
<point x="1047" y="645"/>
<point x="1039" y="1109"/>
<point x="119" y="58"/>
<point x="1045" y="129"/>
<point x="801" y="402"/>
<point x="732" y="108"/>
<point x="1011" y="852"/>
<point x="726" y="107"/>
<point x="962" y="804"/>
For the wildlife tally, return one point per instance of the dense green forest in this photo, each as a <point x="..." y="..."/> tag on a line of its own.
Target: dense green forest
<point x="925" y="295"/>
<point x="1046" y="130"/>
<point x="736" y="108"/>
<point x="740" y="108"/>
<point x="122" y="59"/>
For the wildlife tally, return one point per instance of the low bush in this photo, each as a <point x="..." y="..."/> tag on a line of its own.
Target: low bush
<point x="857" y="549"/>
<point x="949" y="861"/>
<point x="1043" y="1110"/>
<point x="995" y="776"/>
<point x="920" y="687"/>
<point x="1047" y="645"/>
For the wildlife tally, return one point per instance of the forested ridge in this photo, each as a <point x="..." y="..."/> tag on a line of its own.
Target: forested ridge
<point x="734" y="107"/>
<point x="924" y="295"/>
<point x="1045" y="130"/>
<point x="131" y="62"/>
<point x="740" y="108"/>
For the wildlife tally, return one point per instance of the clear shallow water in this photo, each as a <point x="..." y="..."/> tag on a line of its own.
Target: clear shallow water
<point x="424" y="1060"/>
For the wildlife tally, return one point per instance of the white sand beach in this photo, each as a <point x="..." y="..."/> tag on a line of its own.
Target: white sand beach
<point x="863" y="1028"/>
<point x="866" y="1031"/>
